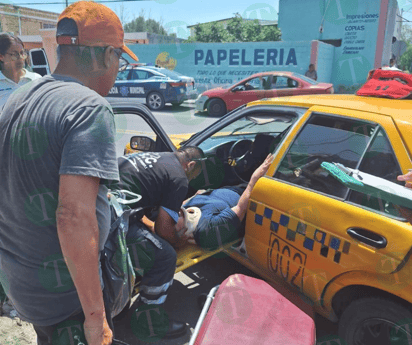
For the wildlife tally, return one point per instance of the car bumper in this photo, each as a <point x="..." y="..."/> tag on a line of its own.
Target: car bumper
<point x="200" y="102"/>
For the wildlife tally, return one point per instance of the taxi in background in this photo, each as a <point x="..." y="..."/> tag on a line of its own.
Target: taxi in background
<point x="347" y="253"/>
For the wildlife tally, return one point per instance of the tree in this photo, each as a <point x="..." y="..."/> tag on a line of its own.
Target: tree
<point x="406" y="33"/>
<point x="140" y="24"/>
<point x="122" y="13"/>
<point x="406" y="59"/>
<point x="237" y="30"/>
<point x="209" y="32"/>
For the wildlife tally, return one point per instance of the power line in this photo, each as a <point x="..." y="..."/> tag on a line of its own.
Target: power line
<point x="64" y="3"/>
<point x="403" y="18"/>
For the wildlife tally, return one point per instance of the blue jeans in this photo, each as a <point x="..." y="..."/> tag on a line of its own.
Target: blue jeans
<point x="154" y="259"/>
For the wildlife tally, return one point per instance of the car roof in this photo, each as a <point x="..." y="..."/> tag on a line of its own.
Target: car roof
<point x="286" y="73"/>
<point x="399" y="109"/>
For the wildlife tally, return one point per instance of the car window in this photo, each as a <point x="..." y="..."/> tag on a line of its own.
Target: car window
<point x="128" y="124"/>
<point x="279" y="82"/>
<point x="292" y="83"/>
<point x="271" y="124"/>
<point x="266" y="82"/>
<point x="379" y="160"/>
<point x="139" y="75"/>
<point x="253" y="84"/>
<point x="324" y="138"/>
<point x="123" y="75"/>
<point x="307" y="79"/>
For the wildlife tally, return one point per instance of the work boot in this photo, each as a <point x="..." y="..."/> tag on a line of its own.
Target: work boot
<point x="176" y="329"/>
<point x="150" y="322"/>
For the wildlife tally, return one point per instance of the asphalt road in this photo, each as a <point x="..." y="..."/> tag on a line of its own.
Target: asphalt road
<point x="174" y="120"/>
<point x="182" y="303"/>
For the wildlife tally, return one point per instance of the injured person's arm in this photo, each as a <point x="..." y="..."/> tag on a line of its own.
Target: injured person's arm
<point x="241" y="207"/>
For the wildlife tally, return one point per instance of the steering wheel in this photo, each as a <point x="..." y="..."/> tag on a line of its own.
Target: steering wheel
<point x="240" y="165"/>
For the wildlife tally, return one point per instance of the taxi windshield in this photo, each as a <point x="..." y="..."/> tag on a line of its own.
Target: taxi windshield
<point x="271" y="123"/>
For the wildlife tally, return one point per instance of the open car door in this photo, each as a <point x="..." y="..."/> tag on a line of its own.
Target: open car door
<point x="39" y="62"/>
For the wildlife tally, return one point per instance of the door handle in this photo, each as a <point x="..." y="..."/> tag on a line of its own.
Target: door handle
<point x="368" y="237"/>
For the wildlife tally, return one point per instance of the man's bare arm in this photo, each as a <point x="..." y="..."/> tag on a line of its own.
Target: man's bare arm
<point x="165" y="228"/>
<point x="241" y="207"/>
<point x="78" y="233"/>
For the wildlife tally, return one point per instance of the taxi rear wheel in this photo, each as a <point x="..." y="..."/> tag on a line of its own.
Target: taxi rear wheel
<point x="155" y="101"/>
<point x="375" y="321"/>
<point x="216" y="107"/>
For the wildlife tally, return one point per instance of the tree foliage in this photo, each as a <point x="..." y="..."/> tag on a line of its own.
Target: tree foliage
<point x="406" y="59"/>
<point x="237" y="30"/>
<point x="141" y="24"/>
<point x="406" y="34"/>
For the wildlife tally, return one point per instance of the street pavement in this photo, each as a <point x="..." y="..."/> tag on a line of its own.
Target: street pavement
<point x="182" y="303"/>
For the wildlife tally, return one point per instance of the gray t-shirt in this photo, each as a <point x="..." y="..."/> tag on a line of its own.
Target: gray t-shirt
<point x="49" y="127"/>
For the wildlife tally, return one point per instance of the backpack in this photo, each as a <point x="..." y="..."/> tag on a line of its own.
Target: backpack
<point x="117" y="269"/>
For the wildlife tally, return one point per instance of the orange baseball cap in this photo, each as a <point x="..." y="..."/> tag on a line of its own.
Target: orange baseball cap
<point x="95" y="26"/>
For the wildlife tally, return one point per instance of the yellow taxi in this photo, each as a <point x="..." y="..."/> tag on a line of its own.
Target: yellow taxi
<point x="347" y="253"/>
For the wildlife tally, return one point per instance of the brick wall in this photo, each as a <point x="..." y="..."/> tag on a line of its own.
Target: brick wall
<point x="29" y="26"/>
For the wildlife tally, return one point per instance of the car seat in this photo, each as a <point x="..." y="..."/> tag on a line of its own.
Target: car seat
<point x="266" y="84"/>
<point x="291" y="83"/>
<point x="262" y="146"/>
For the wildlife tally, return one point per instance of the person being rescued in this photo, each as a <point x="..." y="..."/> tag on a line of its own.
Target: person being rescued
<point x="212" y="219"/>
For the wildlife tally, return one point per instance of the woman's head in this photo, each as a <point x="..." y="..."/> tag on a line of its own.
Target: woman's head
<point x="12" y="53"/>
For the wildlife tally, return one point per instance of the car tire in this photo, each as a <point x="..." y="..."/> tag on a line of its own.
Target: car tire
<point x="155" y="101"/>
<point x="369" y="320"/>
<point x="216" y="107"/>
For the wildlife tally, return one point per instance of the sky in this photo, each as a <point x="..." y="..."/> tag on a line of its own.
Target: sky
<point x="175" y="14"/>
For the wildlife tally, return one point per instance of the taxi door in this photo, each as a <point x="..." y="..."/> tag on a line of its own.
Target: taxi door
<point x="306" y="228"/>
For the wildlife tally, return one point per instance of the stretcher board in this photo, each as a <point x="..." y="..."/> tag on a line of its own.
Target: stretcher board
<point x="192" y="254"/>
<point x="249" y="311"/>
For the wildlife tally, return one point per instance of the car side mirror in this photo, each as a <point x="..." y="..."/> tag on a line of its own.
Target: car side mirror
<point x="142" y="143"/>
<point x="238" y="88"/>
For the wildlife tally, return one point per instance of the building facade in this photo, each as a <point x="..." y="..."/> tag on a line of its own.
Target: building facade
<point x="361" y="31"/>
<point x="25" y="21"/>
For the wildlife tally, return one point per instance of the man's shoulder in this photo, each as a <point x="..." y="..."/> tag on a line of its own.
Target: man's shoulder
<point x="72" y="89"/>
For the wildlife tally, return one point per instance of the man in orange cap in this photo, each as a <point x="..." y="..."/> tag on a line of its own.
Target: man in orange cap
<point x="56" y="146"/>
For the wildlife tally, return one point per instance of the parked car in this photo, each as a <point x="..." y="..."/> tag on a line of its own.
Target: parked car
<point x="261" y="85"/>
<point x="154" y="86"/>
<point x="346" y="253"/>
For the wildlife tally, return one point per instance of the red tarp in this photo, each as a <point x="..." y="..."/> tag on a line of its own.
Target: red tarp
<point x="249" y="311"/>
<point x="387" y="83"/>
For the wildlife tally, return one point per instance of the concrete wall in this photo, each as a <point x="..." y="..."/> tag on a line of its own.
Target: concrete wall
<point x="325" y="57"/>
<point x="222" y="64"/>
<point x="359" y="24"/>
